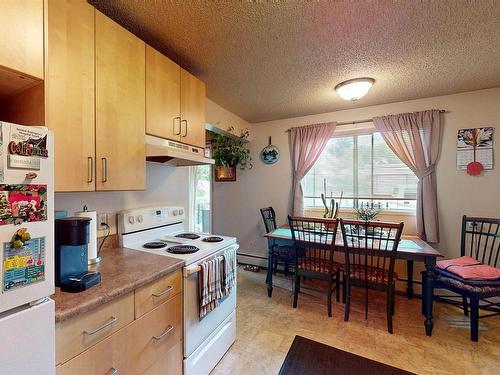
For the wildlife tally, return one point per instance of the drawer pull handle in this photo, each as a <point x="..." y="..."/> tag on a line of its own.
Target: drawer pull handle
<point x="98" y="329"/>
<point x="169" y="288"/>
<point x="113" y="371"/>
<point x="167" y="331"/>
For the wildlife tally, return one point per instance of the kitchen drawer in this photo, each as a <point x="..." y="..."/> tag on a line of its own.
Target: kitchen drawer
<point x="75" y="335"/>
<point x="154" y="294"/>
<point x="106" y="357"/>
<point x="154" y="335"/>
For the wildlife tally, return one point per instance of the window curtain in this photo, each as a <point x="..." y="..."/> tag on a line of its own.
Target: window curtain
<point x="306" y="145"/>
<point x="415" y="139"/>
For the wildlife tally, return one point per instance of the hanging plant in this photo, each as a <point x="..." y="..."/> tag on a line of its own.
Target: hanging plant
<point x="231" y="151"/>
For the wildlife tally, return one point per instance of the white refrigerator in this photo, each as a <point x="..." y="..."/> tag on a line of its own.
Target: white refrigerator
<point x="27" y="321"/>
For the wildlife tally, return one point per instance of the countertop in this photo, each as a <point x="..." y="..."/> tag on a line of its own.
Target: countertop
<point x="122" y="271"/>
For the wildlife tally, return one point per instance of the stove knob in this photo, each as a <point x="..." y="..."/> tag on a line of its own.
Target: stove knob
<point x="175" y="212"/>
<point x="131" y="219"/>
<point x="181" y="212"/>
<point x="139" y="218"/>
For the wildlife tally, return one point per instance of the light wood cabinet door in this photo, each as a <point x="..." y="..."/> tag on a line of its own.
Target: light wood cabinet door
<point x="77" y="334"/>
<point x="69" y="92"/>
<point x="192" y="110"/>
<point x="154" y="294"/>
<point x="163" y="96"/>
<point x="107" y="357"/>
<point x="21" y="41"/>
<point x="154" y="335"/>
<point x="120" y="107"/>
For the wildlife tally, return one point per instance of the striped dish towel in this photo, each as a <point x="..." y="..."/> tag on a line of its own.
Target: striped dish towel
<point x="210" y="285"/>
<point x="228" y="271"/>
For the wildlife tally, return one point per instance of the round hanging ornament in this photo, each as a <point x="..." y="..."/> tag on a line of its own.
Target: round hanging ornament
<point x="270" y="154"/>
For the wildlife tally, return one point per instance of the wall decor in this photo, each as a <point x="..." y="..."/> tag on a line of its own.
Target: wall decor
<point x="22" y="203"/>
<point x="475" y="150"/>
<point x="270" y="154"/>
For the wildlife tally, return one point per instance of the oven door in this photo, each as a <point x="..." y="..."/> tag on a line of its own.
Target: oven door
<point x="197" y="330"/>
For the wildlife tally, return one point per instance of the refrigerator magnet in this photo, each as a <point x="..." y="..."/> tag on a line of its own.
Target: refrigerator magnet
<point x="23" y="265"/>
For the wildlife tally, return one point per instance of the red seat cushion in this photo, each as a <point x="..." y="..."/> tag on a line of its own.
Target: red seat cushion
<point x="374" y="274"/>
<point x="469" y="268"/>
<point x="318" y="265"/>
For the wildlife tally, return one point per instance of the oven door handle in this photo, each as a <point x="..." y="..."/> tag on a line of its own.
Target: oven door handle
<point x="188" y="271"/>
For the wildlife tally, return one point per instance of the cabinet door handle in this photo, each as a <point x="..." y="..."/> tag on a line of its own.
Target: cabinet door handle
<point x="90" y="169"/>
<point x="166" y="332"/>
<point x="185" y="128"/>
<point x="104" y="170"/>
<point x="169" y="288"/>
<point x="113" y="371"/>
<point x="112" y="320"/>
<point x="177" y="118"/>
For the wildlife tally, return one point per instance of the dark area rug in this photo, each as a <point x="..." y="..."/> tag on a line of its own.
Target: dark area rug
<point x="308" y="357"/>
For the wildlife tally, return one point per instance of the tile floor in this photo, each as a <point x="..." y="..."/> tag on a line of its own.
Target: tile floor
<point x="267" y="326"/>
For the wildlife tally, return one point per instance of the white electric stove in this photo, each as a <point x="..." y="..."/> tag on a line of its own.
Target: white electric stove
<point x="161" y="230"/>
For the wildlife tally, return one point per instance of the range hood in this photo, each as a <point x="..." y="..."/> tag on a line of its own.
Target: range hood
<point x="159" y="150"/>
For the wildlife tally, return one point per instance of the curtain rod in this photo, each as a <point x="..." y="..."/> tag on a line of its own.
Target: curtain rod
<point x="362" y="121"/>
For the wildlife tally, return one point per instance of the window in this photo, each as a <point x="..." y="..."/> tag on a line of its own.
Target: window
<point x="365" y="170"/>
<point x="201" y="196"/>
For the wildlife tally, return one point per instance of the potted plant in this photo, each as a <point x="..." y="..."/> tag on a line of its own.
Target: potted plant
<point x="368" y="212"/>
<point x="230" y="152"/>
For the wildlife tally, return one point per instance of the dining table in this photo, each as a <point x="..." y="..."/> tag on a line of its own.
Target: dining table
<point x="410" y="249"/>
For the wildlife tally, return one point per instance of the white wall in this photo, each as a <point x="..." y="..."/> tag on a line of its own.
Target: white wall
<point x="165" y="185"/>
<point x="237" y="203"/>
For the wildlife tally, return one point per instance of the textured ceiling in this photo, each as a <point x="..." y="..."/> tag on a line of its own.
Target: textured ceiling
<point x="280" y="59"/>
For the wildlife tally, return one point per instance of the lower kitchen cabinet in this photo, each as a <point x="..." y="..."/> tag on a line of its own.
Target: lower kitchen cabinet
<point x="150" y="344"/>
<point x="154" y="335"/>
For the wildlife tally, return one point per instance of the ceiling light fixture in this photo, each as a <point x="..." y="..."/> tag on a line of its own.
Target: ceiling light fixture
<point x="354" y="89"/>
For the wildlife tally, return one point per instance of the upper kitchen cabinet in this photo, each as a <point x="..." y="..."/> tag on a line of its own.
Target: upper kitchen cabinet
<point x="69" y="92"/>
<point x="21" y="44"/>
<point x="192" y="110"/>
<point x="120" y="107"/>
<point x="163" y="102"/>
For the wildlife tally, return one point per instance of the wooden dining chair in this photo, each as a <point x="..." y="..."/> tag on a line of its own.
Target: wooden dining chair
<point x="370" y="253"/>
<point x="480" y="240"/>
<point x="314" y="241"/>
<point x="278" y="254"/>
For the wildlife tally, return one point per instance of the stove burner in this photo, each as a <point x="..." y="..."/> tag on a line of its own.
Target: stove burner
<point x="190" y="236"/>
<point x="154" y="245"/>
<point x="182" y="249"/>
<point x="213" y="239"/>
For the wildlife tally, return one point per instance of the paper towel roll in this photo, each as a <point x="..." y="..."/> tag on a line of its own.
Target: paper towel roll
<point x="93" y="258"/>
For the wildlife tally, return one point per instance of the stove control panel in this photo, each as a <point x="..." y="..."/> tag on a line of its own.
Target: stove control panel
<point x="149" y="217"/>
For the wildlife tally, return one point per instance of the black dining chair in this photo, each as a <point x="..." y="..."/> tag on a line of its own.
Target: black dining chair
<point x="370" y="254"/>
<point x="314" y="241"/>
<point x="480" y="239"/>
<point x="279" y="255"/>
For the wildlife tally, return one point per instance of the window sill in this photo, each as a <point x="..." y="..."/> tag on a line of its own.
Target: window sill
<point x="318" y="210"/>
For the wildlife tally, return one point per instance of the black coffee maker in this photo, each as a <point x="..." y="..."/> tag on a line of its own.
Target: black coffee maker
<point x="71" y="255"/>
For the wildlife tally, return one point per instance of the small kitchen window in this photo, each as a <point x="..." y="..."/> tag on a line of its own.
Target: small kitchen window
<point x="201" y="197"/>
